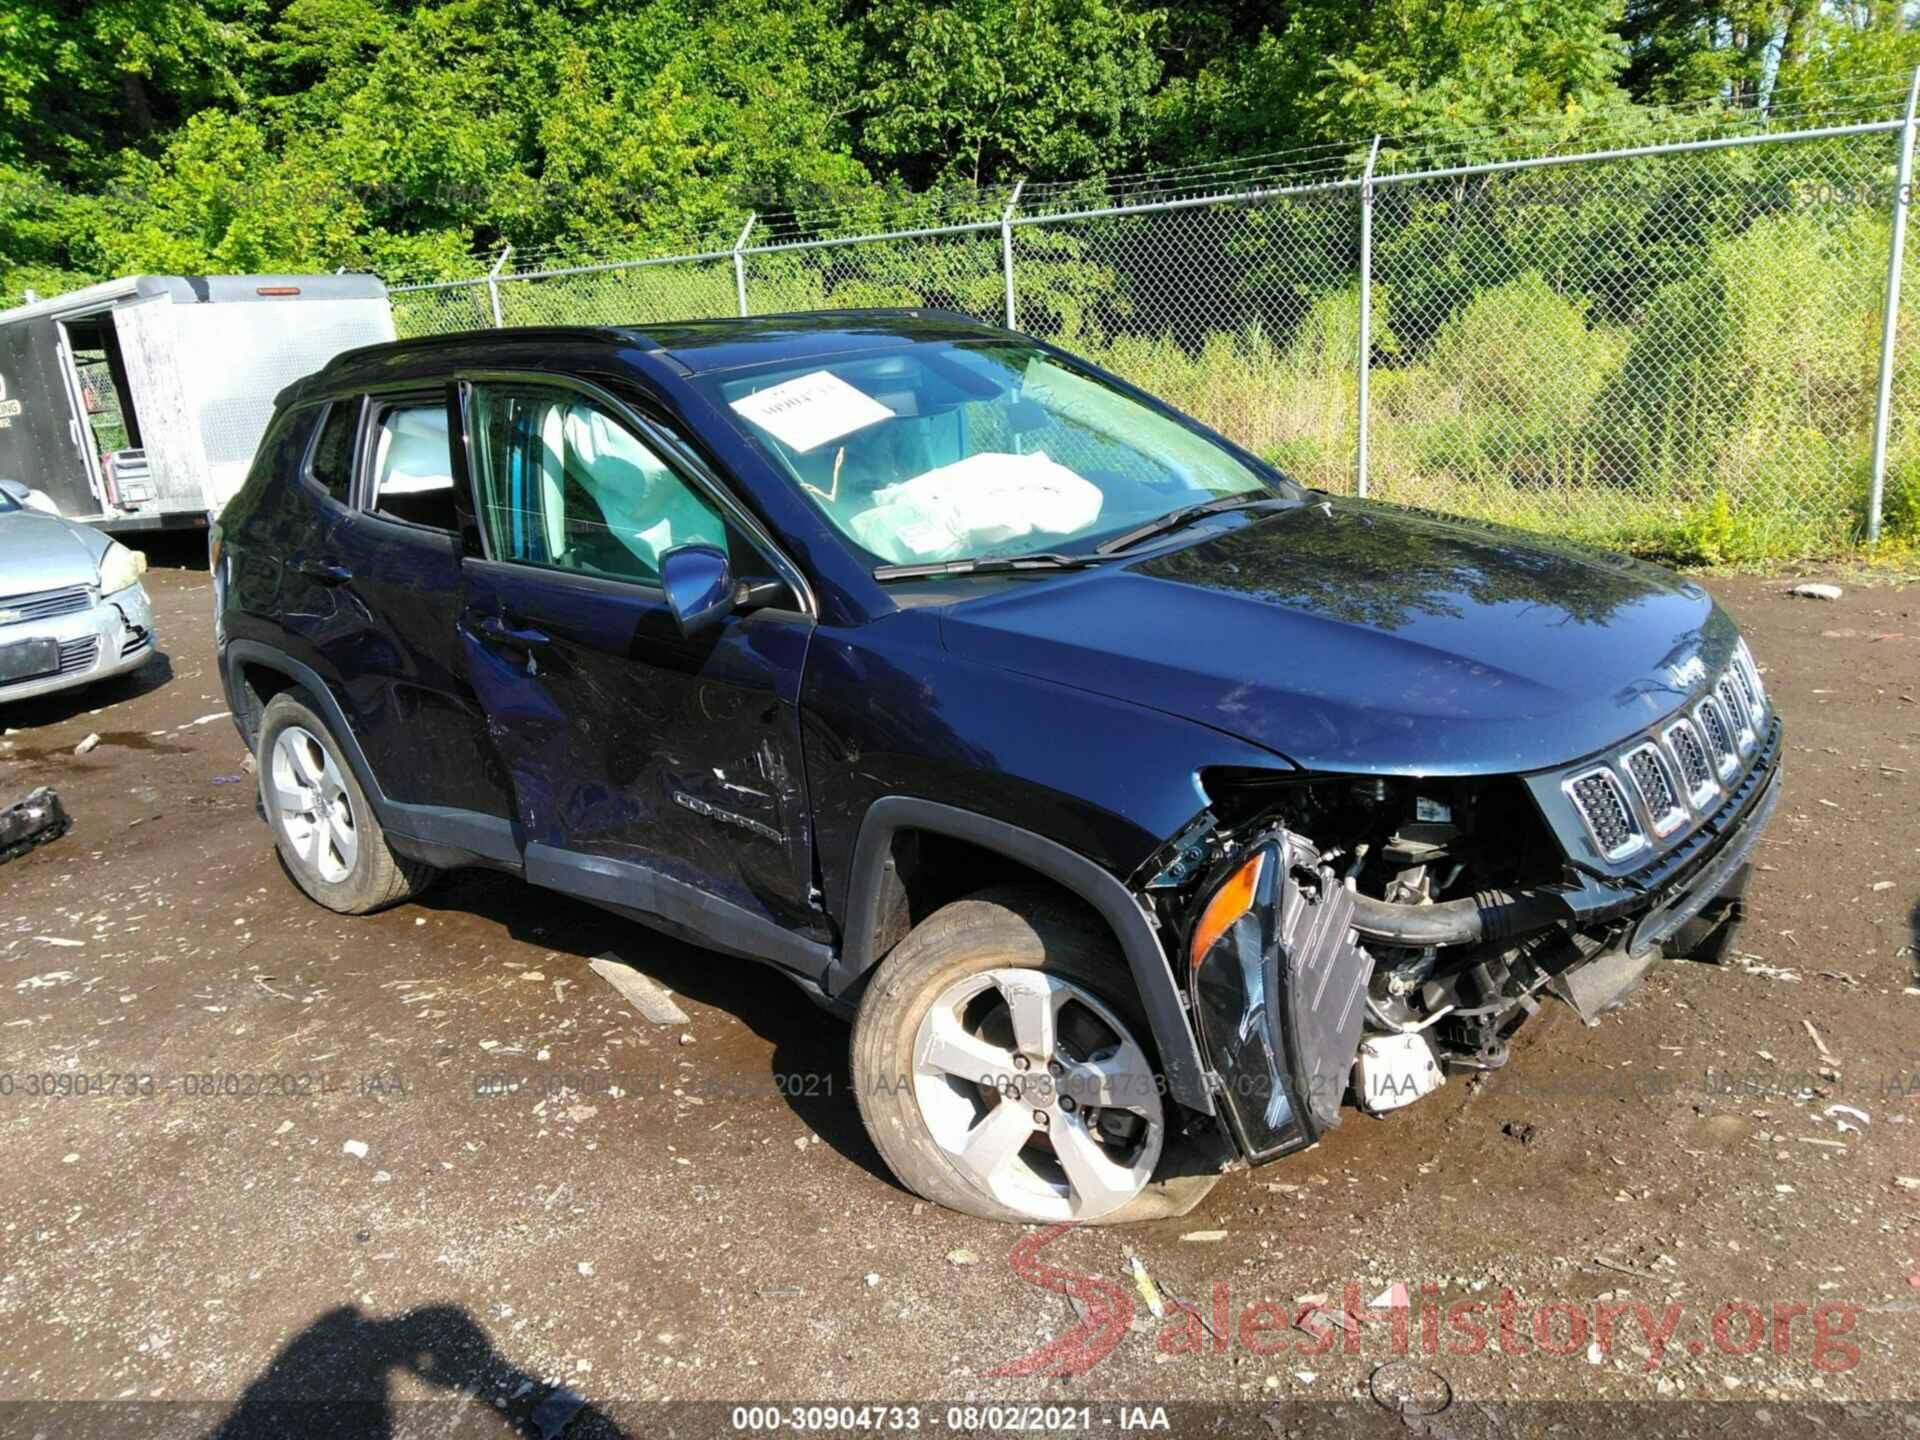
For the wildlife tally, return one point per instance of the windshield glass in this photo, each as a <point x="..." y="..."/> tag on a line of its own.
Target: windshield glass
<point x="7" y="502"/>
<point x="942" y="451"/>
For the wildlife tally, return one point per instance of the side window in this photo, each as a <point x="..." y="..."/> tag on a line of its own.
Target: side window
<point x="412" y="465"/>
<point x="332" y="462"/>
<point x="564" y="485"/>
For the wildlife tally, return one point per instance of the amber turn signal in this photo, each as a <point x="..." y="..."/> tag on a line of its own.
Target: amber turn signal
<point x="1232" y="900"/>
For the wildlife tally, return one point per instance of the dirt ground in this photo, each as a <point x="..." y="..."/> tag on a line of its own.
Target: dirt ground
<point x="431" y="1154"/>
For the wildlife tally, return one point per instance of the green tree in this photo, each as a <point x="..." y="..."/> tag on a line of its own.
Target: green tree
<point x="984" y="90"/>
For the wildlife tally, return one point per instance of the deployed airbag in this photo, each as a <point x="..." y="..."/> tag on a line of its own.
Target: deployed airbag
<point x="974" y="504"/>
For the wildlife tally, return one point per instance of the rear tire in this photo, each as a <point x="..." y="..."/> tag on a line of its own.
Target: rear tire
<point x="1004" y="1068"/>
<point x="326" y="832"/>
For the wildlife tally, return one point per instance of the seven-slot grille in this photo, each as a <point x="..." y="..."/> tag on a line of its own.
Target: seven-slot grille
<point x="1696" y="771"/>
<point x="1603" y="805"/>
<point x="1664" y="783"/>
<point x="1713" y="724"/>
<point x="1657" y="790"/>
<point x="44" y="604"/>
<point x="1737" y="711"/>
<point x="1748" y="674"/>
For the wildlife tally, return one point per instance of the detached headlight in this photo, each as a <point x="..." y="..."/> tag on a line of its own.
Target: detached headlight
<point x="120" y="567"/>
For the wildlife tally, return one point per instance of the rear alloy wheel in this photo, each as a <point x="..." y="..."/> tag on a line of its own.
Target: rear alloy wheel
<point x="314" y="811"/>
<point x="1002" y="1066"/>
<point x="327" y="833"/>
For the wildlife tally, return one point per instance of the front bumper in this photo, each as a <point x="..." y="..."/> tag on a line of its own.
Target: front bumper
<point x="113" y="636"/>
<point x="1279" y="1000"/>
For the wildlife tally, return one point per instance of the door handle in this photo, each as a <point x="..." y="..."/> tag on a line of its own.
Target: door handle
<point x="496" y="631"/>
<point x="325" y="573"/>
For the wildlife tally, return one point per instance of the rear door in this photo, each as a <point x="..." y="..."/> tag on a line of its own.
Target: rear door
<point x="388" y="637"/>
<point x="650" y="771"/>
<point x="161" y="411"/>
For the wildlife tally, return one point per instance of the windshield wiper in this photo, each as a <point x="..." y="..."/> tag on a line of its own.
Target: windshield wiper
<point x="984" y="565"/>
<point x="1185" y="515"/>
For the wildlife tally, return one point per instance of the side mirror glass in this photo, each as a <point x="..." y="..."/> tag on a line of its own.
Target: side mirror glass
<point x="699" y="586"/>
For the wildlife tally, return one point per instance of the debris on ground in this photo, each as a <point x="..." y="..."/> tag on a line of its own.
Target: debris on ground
<point x="1316" y="1320"/>
<point x="1149" y="1292"/>
<point x="649" y="998"/>
<point x="1819" y="1044"/>
<point x="1752" y="965"/>
<point x="1834" y="1112"/>
<point x="1811" y="590"/>
<point x="1408" y="1388"/>
<point x="1518" y="1130"/>
<point x="1204" y="1237"/>
<point x="962" y="1257"/>
<point x="355" y="1148"/>
<point x="33" y="821"/>
<point x="87" y="744"/>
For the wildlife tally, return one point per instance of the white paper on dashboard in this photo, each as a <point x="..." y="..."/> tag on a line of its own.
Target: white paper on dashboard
<point x="808" y="412"/>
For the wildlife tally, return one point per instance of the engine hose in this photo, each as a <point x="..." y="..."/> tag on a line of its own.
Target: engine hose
<point x="1488" y="915"/>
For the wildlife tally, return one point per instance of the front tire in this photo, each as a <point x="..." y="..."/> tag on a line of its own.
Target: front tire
<point x="1004" y="1068"/>
<point x="327" y="834"/>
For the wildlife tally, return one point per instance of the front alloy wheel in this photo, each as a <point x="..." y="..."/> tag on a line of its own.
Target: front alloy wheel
<point x="1003" y="1067"/>
<point x="1038" y="1094"/>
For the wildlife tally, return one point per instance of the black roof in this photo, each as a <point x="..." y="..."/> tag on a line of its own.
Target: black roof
<point x="697" y="346"/>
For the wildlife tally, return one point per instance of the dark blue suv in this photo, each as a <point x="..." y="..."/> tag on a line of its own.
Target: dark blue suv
<point x="1140" y="807"/>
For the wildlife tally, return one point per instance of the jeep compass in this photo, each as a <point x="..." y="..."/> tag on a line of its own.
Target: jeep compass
<point x="1143" y="810"/>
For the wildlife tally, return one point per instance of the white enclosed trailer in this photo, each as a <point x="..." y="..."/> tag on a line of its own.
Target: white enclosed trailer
<point x="137" y="404"/>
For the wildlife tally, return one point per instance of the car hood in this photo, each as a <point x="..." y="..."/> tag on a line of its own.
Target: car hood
<point x="45" y="552"/>
<point x="1360" y="638"/>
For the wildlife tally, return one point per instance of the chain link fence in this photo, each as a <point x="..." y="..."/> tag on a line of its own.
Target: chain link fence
<point x="1670" y="348"/>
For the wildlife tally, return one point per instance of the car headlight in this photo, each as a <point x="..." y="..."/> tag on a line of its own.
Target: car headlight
<point x="120" y="567"/>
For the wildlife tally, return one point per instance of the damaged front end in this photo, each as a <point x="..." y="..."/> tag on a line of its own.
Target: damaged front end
<point x="1362" y="937"/>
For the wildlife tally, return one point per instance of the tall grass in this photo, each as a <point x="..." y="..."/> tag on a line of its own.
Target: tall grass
<point x="1713" y="403"/>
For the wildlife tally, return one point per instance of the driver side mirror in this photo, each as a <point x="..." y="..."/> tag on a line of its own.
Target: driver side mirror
<point x="699" y="586"/>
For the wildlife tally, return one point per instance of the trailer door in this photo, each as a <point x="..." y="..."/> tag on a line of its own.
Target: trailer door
<point x="43" y="440"/>
<point x="169" y="420"/>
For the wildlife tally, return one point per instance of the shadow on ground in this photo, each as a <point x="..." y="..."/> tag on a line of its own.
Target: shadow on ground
<point x="334" y="1381"/>
<point x="809" y="1063"/>
<point x="64" y="705"/>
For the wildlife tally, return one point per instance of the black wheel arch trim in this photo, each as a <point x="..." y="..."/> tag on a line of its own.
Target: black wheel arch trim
<point x="1152" y="974"/>
<point x="490" y="838"/>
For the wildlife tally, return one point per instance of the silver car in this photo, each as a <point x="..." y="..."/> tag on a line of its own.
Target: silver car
<point x="72" y="608"/>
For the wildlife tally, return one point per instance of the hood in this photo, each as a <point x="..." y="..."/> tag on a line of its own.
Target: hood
<point x="1353" y="637"/>
<point x="45" y="552"/>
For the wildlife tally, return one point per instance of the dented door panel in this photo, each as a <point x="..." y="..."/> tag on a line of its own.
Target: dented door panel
<point x="627" y="741"/>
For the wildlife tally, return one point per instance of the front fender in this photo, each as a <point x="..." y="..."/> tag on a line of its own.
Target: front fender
<point x="1118" y="906"/>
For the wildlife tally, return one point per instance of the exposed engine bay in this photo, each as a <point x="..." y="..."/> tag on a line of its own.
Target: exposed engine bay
<point x="1462" y="899"/>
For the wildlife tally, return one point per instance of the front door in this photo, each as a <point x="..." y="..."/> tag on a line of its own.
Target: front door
<point x="653" y="772"/>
